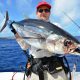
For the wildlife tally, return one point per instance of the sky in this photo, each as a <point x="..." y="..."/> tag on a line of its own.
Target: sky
<point x="21" y="9"/>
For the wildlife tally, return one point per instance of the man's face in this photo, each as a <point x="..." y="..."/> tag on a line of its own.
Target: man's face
<point x="43" y="13"/>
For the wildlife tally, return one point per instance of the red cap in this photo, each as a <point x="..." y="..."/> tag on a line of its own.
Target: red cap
<point x="43" y="3"/>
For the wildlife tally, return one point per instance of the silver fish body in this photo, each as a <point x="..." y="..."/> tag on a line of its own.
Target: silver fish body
<point x="44" y="35"/>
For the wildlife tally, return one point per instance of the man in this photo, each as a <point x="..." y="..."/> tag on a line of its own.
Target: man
<point x="42" y="62"/>
<point x="42" y="59"/>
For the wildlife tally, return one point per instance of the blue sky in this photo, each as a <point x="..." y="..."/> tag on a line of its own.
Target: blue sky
<point x="20" y="9"/>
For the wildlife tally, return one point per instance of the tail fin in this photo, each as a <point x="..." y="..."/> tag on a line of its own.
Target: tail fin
<point x="5" y="21"/>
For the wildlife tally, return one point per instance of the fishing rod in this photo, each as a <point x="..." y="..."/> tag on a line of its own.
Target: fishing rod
<point x="71" y="19"/>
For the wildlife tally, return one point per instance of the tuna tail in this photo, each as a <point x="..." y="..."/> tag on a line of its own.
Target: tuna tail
<point x="5" y="21"/>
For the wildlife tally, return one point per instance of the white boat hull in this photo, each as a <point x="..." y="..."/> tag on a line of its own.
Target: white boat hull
<point x="20" y="75"/>
<point x="57" y="76"/>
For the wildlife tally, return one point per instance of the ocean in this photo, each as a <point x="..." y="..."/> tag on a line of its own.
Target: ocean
<point x="12" y="58"/>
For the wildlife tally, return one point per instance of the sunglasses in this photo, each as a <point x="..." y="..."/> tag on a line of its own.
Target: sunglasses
<point x="45" y="10"/>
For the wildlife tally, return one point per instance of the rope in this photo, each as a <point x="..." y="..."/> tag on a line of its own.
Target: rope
<point x="13" y="75"/>
<point x="72" y="20"/>
<point x="68" y="67"/>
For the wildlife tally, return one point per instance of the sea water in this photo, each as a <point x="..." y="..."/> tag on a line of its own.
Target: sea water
<point x="12" y="58"/>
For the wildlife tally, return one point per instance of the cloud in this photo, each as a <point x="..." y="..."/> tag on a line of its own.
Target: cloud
<point x="1" y="17"/>
<point x="71" y="7"/>
<point x="66" y="16"/>
<point x="8" y="2"/>
<point x="6" y="32"/>
<point x="1" y="4"/>
<point x="24" y="6"/>
<point x="79" y="32"/>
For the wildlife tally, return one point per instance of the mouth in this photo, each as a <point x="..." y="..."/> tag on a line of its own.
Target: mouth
<point x="44" y="15"/>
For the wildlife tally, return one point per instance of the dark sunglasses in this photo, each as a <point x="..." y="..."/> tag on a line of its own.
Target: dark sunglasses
<point x="45" y="10"/>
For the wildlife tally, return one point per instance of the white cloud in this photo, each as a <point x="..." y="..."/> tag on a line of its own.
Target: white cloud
<point x="66" y="19"/>
<point x="24" y="6"/>
<point x="1" y="17"/>
<point x="1" y="4"/>
<point x="8" y="2"/>
<point x="71" y="7"/>
<point x="33" y="15"/>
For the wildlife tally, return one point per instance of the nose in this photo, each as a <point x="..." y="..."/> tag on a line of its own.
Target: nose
<point x="43" y="11"/>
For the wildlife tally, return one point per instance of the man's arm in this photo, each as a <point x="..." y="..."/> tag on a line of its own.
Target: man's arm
<point x="24" y="46"/>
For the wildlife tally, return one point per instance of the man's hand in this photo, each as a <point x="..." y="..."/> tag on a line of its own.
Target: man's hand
<point x="12" y="29"/>
<point x="28" y="65"/>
